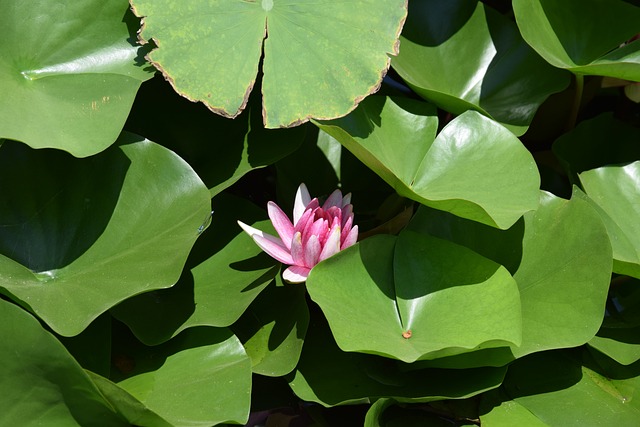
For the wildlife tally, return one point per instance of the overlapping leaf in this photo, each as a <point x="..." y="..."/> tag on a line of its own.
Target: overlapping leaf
<point x="81" y="235"/>
<point x="320" y="58"/>
<point x="202" y="377"/>
<point x="583" y="36"/>
<point x="44" y="385"/>
<point x="463" y="55"/>
<point x="416" y="298"/>
<point x="474" y="168"/>
<point x="615" y="190"/>
<point x="225" y="272"/>
<point x="329" y="376"/>
<point x="69" y="73"/>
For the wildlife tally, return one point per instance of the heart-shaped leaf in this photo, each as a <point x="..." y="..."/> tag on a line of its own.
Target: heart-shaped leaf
<point x="416" y="298"/>
<point x="320" y="58"/>
<point x="461" y="55"/>
<point x="474" y="168"/>
<point x="615" y="191"/>
<point x="583" y="36"/>
<point x="69" y="73"/>
<point x="81" y="235"/>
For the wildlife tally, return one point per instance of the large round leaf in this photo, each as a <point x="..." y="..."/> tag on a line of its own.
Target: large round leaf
<point x="224" y="274"/>
<point x="44" y="385"/>
<point x="320" y="57"/>
<point x="615" y="190"/>
<point x="69" y="73"/>
<point x="474" y="168"/>
<point x="416" y="298"/>
<point x="81" y="235"/>
<point x="202" y="377"/>
<point x="463" y="55"/>
<point x="584" y="36"/>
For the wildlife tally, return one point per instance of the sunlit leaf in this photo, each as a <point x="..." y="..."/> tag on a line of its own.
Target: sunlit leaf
<point x="320" y="58"/>
<point x="69" y="73"/>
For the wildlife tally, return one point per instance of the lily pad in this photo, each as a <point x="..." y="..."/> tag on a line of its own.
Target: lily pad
<point x="202" y="377"/>
<point x="583" y="36"/>
<point x="615" y="191"/>
<point x="475" y="168"/>
<point x="416" y="297"/>
<point x="462" y="54"/>
<point x="320" y="58"/>
<point x="81" y="235"/>
<point x="329" y="376"/>
<point x="225" y="272"/>
<point x="48" y="387"/>
<point x="69" y="73"/>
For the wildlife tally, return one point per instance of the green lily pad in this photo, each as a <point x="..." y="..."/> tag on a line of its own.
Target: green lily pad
<point x="81" y="235"/>
<point x="416" y="297"/>
<point x="329" y="376"/>
<point x="47" y="386"/>
<point x="272" y="329"/>
<point x="558" y="390"/>
<point x="202" y="377"/>
<point x="563" y="276"/>
<point x="615" y="192"/>
<point x="474" y="168"/>
<point x="225" y="272"/>
<point x="69" y="73"/>
<point x="620" y="344"/>
<point x="463" y="55"/>
<point x="320" y="58"/>
<point x="583" y="36"/>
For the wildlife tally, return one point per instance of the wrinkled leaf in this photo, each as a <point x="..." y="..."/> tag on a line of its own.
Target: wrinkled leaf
<point x="81" y="235"/>
<point x="69" y="73"/>
<point x="463" y="55"/>
<point x="474" y="168"/>
<point x="304" y="76"/>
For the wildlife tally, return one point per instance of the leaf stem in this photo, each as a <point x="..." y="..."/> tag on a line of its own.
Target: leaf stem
<point x="577" y="100"/>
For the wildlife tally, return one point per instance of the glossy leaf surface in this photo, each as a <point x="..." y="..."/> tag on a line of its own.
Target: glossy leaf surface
<point x="69" y="73"/>
<point x="474" y="168"/>
<point x="585" y="37"/>
<point x="394" y="298"/>
<point x="299" y="66"/>
<point x="81" y="235"/>
<point x="507" y="81"/>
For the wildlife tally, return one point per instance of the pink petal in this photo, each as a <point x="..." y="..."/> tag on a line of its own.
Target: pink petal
<point x="281" y="223"/>
<point x="297" y="252"/>
<point x="268" y="243"/>
<point x="302" y="200"/>
<point x="317" y="228"/>
<point x="347" y="212"/>
<point x="296" y="274"/>
<point x="312" y="251"/>
<point x="332" y="246"/>
<point x="304" y="220"/>
<point x="335" y="199"/>
<point x="351" y="238"/>
<point x="346" y="228"/>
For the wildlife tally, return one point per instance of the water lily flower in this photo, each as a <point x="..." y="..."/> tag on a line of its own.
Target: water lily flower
<point x="317" y="232"/>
